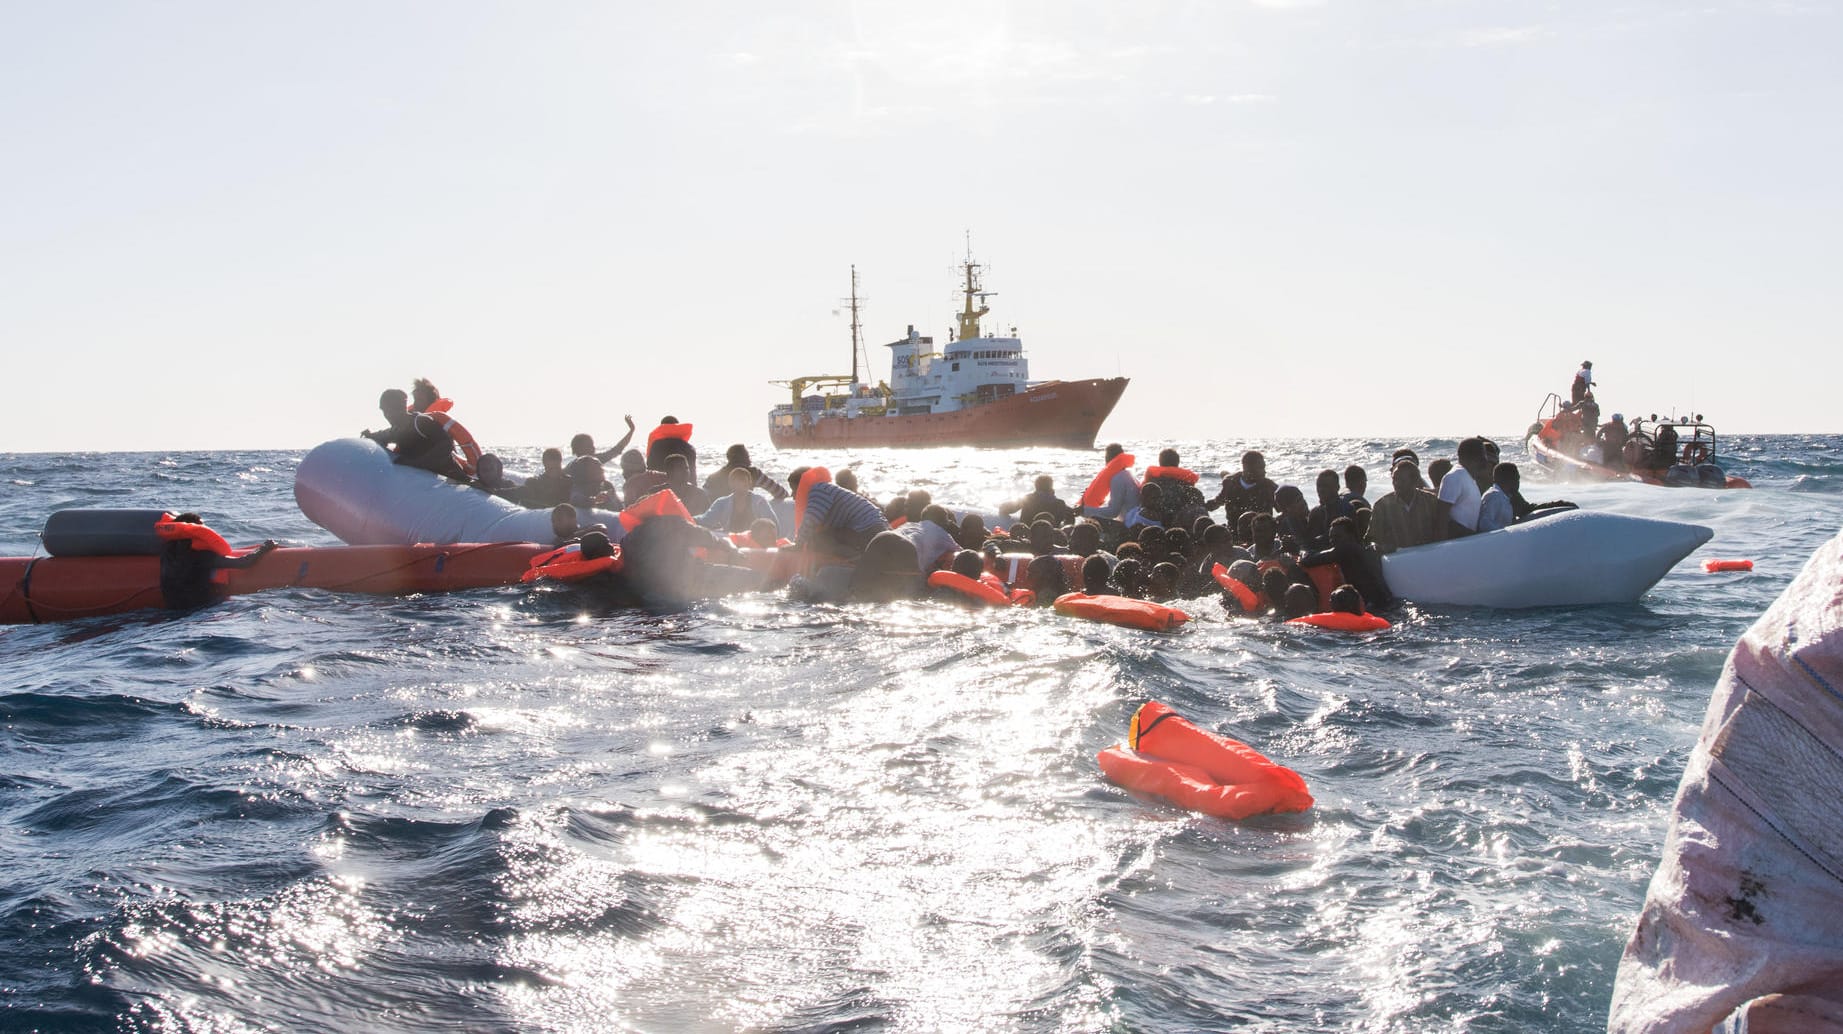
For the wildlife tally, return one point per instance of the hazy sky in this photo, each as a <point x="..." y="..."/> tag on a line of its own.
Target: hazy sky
<point x="230" y="225"/>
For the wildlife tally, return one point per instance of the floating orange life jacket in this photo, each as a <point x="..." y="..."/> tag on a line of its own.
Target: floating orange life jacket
<point x="1250" y="600"/>
<point x="663" y="503"/>
<point x="1101" y="486"/>
<point x="1165" y="756"/>
<point x="201" y="537"/>
<point x="1713" y="566"/>
<point x="1121" y="610"/>
<point x="565" y="564"/>
<point x="1343" y="621"/>
<point x="972" y="588"/>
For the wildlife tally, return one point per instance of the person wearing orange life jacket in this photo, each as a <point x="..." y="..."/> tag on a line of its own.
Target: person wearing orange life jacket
<point x="426" y="398"/>
<point x="1358" y="563"/>
<point x="829" y="519"/>
<point x="188" y="562"/>
<point x="1122" y="490"/>
<point x="415" y="439"/>
<point x="1181" y="502"/>
<point x="668" y="439"/>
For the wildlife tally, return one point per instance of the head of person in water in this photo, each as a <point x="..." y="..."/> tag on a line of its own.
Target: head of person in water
<point x="633" y="462"/>
<point x="940" y="517"/>
<point x="1326" y="486"/>
<point x="1130" y="549"/>
<point x="846" y="479"/>
<point x="1246" y="572"/>
<point x="489" y="469"/>
<point x="1253" y="465"/>
<point x="1345" y="599"/>
<point x="1161" y="584"/>
<point x="563" y="521"/>
<point x="423" y="394"/>
<point x="1273" y="585"/>
<point x="1045" y="485"/>
<point x="737" y="456"/>
<point x="1042" y="536"/>
<point x="1264" y="533"/>
<point x="394" y="404"/>
<point x="764" y="533"/>
<point x="794" y="476"/>
<point x="1507" y="477"/>
<point x="1405" y="476"/>
<point x="1113" y="449"/>
<point x="1152" y="539"/>
<point x="587" y="473"/>
<point x="919" y="498"/>
<point x="1472" y="457"/>
<point x="1168" y="458"/>
<point x="553" y="461"/>
<point x="1244" y="528"/>
<point x="1437" y="471"/>
<point x="595" y="545"/>
<point x="1085" y="538"/>
<point x="1129" y="577"/>
<point x="1343" y="532"/>
<point x="1291" y="502"/>
<point x="967" y="563"/>
<point x="1403" y="453"/>
<point x="1151" y="496"/>
<point x="677" y="469"/>
<point x="1043" y="577"/>
<point x="1177" y="540"/>
<point x="1356" y="480"/>
<point x="584" y="445"/>
<point x="1299" y="601"/>
<point x="1215" y="540"/>
<point x="741" y="481"/>
<point x="972" y="531"/>
<point x="1094" y="573"/>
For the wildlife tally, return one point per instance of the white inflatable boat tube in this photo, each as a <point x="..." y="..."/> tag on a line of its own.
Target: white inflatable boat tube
<point x="350" y="487"/>
<point x="1573" y="558"/>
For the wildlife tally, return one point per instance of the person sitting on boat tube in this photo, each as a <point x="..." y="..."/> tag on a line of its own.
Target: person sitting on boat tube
<point x="742" y="507"/>
<point x="1122" y="491"/>
<point x="835" y="521"/>
<point x="1503" y="504"/>
<point x="1583" y="382"/>
<point x="738" y="456"/>
<point x="637" y="482"/>
<point x="1405" y="517"/>
<point x="584" y="444"/>
<point x="414" y="439"/>
<point x="1459" y="495"/>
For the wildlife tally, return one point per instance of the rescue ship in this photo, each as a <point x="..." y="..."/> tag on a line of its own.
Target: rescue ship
<point x="975" y="391"/>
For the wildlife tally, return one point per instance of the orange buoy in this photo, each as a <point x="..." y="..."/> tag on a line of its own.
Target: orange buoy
<point x="1343" y="621"/>
<point x="1121" y="610"/>
<point x="1714" y="566"/>
<point x="1166" y="757"/>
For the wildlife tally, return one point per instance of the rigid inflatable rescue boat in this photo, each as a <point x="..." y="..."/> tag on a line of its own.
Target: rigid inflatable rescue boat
<point x="350" y="487"/>
<point x="1568" y="559"/>
<point x="1166" y="757"/>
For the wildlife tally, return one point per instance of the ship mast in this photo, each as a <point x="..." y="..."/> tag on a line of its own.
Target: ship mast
<point x="969" y="316"/>
<point x="857" y="341"/>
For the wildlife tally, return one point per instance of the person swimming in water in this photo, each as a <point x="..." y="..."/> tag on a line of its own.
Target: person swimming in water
<point x="187" y="571"/>
<point x="741" y="507"/>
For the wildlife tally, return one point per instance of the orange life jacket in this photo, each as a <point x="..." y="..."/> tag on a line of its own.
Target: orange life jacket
<point x="201" y="537"/>
<point x="470" y="449"/>
<point x="1250" y="601"/>
<point x="1713" y="566"/>
<point x="804" y="491"/>
<point x="1101" y="486"/>
<point x="1188" y="477"/>
<point x="565" y="564"/>
<point x="1121" y="610"/>
<point x="1165" y="756"/>
<point x="663" y="503"/>
<point x="972" y="588"/>
<point x="682" y="432"/>
<point x="1343" y="621"/>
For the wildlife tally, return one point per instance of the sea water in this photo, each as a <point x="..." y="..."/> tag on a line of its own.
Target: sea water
<point x="509" y="809"/>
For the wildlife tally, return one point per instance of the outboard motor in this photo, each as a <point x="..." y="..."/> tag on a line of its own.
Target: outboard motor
<point x="1681" y="474"/>
<point x="1708" y="475"/>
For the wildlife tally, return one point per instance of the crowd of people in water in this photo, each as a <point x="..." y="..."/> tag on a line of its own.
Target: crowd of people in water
<point x="1262" y="548"/>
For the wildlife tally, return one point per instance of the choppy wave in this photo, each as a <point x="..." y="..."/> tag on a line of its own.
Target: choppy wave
<point x="490" y="810"/>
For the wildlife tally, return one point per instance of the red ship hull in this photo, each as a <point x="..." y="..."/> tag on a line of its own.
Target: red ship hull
<point x="1062" y="414"/>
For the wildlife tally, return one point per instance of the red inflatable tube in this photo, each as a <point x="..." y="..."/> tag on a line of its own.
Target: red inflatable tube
<point x="1714" y="566"/>
<point x="1121" y="610"/>
<point x="1169" y="758"/>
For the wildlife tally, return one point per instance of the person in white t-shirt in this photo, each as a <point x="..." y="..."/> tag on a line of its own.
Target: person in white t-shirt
<point x="1459" y="495"/>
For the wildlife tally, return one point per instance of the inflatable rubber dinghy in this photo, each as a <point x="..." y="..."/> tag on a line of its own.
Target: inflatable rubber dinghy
<point x="1568" y="559"/>
<point x="350" y="487"/>
<point x="1166" y="757"/>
